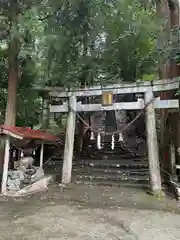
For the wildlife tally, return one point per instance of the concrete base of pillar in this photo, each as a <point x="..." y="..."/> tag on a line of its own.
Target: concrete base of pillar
<point x="157" y="193"/>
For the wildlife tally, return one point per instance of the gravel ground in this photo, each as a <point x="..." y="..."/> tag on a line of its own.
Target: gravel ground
<point x="85" y="212"/>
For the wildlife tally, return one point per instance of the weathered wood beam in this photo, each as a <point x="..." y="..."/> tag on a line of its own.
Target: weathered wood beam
<point x="69" y="142"/>
<point x="97" y="107"/>
<point x="123" y="88"/>
<point x="152" y="143"/>
<point x="172" y="159"/>
<point x="41" y="155"/>
<point x="45" y="113"/>
<point x="158" y="104"/>
<point x="5" y="167"/>
<point x="162" y="104"/>
<point x="59" y="108"/>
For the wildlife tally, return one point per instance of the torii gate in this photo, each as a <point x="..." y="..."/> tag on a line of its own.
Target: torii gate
<point x="170" y="10"/>
<point x="148" y="88"/>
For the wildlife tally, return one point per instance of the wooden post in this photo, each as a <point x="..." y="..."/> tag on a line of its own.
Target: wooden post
<point x="41" y="155"/>
<point x="45" y="113"/>
<point x="69" y="143"/>
<point x="153" y="151"/>
<point x="173" y="159"/>
<point x="5" y="167"/>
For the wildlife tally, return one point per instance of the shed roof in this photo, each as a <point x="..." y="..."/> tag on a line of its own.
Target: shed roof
<point x="27" y="133"/>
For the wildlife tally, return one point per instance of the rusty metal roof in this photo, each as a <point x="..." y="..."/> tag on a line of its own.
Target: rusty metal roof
<point x="27" y="133"/>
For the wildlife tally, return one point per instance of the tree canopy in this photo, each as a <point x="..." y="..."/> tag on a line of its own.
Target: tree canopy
<point x="72" y="43"/>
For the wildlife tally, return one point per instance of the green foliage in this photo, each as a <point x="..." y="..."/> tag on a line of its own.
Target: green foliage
<point x="90" y="41"/>
<point x="130" y="45"/>
<point x="28" y="104"/>
<point x="28" y="101"/>
<point x="70" y="39"/>
<point x="77" y="43"/>
<point x="174" y="47"/>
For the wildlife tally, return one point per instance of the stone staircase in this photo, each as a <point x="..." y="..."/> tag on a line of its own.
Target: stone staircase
<point x="107" y="167"/>
<point x="112" y="167"/>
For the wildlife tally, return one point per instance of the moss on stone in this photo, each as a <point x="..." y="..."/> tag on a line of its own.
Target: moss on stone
<point x="158" y="193"/>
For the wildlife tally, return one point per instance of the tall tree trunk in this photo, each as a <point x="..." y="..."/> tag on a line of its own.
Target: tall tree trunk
<point x="175" y="72"/>
<point x="13" y="50"/>
<point x="83" y="80"/>
<point x="175" y="23"/>
<point x="163" y="11"/>
<point x="169" y="11"/>
<point x="10" y="118"/>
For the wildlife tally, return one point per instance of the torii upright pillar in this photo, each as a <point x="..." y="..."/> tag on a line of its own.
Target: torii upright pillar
<point x="69" y="144"/>
<point x="152" y="142"/>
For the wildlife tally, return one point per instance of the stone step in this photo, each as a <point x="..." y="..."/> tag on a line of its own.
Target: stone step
<point x="110" y="167"/>
<point x="122" y="180"/>
<point x="112" y="157"/>
<point x="109" y="158"/>
<point x="110" y="171"/>
<point x="116" y="151"/>
<point x="109" y="183"/>
<point x="92" y="177"/>
<point x="55" y="158"/>
<point x="116" y="164"/>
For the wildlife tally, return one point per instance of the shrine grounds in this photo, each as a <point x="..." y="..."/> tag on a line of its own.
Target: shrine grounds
<point x="89" y="212"/>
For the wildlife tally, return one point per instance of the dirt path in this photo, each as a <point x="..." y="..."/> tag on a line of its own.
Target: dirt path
<point x="89" y="213"/>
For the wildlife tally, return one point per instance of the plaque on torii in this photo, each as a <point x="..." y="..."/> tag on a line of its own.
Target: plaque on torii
<point x="107" y="99"/>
